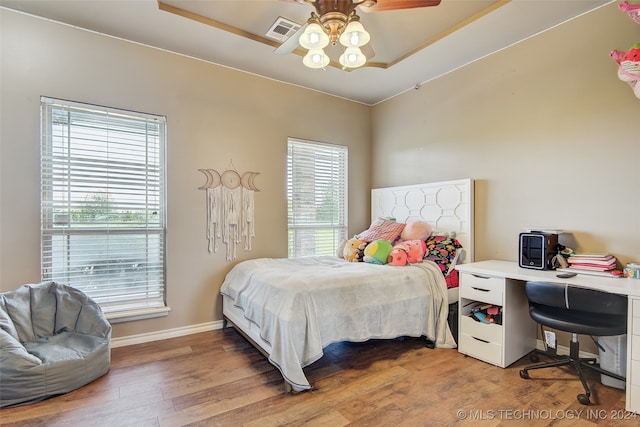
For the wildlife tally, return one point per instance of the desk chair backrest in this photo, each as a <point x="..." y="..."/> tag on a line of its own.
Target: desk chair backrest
<point x="576" y="298"/>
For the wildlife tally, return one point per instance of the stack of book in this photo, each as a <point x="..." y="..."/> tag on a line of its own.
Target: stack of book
<point x="593" y="262"/>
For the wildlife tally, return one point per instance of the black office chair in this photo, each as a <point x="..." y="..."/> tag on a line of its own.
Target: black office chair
<point x="579" y="311"/>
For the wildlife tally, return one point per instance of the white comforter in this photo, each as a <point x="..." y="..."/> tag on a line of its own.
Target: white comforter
<point x="302" y="305"/>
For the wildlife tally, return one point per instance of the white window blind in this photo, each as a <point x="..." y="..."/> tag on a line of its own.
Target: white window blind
<point x="317" y="197"/>
<point x="103" y="204"/>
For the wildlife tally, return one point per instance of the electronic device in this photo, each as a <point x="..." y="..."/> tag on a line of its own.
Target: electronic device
<point x="537" y="249"/>
<point x="566" y="275"/>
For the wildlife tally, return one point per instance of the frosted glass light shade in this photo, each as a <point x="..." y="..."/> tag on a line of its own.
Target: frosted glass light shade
<point x="354" y="35"/>
<point x="313" y="37"/>
<point x="352" y="58"/>
<point x="316" y="58"/>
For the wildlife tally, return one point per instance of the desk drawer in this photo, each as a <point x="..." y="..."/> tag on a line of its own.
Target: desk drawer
<point x="487" y="351"/>
<point x="634" y="375"/>
<point x="485" y="289"/>
<point x="633" y="386"/>
<point x="484" y="331"/>
<point x="633" y="398"/>
<point x="635" y="349"/>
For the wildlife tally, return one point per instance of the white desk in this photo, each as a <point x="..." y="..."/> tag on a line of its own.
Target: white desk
<point x="505" y="275"/>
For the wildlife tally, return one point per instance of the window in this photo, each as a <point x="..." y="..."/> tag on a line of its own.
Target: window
<point x="317" y="197"/>
<point x="103" y="205"/>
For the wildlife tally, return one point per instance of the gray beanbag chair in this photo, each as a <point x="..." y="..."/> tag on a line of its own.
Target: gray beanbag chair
<point x="53" y="339"/>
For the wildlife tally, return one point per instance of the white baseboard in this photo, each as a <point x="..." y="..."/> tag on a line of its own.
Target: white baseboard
<point x="168" y="333"/>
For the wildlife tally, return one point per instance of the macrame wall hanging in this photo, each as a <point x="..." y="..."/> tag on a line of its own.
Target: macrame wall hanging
<point x="230" y="209"/>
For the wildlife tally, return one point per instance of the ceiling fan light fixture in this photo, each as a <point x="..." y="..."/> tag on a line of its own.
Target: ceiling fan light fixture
<point x="335" y="21"/>
<point x="352" y="58"/>
<point x="354" y="35"/>
<point x="316" y="58"/>
<point x="314" y="37"/>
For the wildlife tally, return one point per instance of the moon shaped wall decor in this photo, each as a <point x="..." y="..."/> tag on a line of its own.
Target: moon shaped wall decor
<point x="230" y="209"/>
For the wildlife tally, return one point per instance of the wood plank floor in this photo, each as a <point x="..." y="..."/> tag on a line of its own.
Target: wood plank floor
<point x="217" y="379"/>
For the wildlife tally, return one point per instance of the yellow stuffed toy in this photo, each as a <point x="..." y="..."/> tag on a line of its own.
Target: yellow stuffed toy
<point x="354" y="250"/>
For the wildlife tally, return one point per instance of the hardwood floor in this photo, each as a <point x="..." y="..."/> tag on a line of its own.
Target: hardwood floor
<point x="218" y="379"/>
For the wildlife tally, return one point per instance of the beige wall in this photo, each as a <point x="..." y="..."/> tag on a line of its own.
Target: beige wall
<point x="215" y="115"/>
<point x="545" y="128"/>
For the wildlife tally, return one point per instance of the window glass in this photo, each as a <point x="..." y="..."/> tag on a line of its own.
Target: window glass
<point x="103" y="203"/>
<point x="317" y="197"/>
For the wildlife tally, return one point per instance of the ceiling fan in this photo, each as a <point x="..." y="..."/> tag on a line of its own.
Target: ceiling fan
<point x="336" y="21"/>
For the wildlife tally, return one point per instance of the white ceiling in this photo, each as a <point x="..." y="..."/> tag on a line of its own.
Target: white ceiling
<point x="411" y="46"/>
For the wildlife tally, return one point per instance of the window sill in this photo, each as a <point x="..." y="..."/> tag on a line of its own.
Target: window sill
<point x="139" y="314"/>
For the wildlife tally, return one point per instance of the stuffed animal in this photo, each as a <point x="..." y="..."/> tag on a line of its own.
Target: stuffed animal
<point x="354" y="250"/>
<point x="416" y="230"/>
<point x="417" y="250"/>
<point x="399" y="255"/>
<point x="629" y="67"/>
<point x="377" y="252"/>
<point x="633" y="10"/>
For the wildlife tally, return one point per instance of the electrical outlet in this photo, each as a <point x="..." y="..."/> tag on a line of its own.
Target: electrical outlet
<point x="550" y="339"/>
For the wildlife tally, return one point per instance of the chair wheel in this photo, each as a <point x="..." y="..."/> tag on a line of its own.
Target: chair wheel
<point x="524" y="374"/>
<point x="584" y="399"/>
<point x="533" y="357"/>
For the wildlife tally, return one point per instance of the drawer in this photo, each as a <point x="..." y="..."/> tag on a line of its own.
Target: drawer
<point x="633" y="398"/>
<point x="634" y="375"/>
<point x="635" y="347"/>
<point x="636" y="307"/>
<point x="487" y="351"/>
<point x="635" y="325"/>
<point x="484" y="289"/>
<point x="487" y="332"/>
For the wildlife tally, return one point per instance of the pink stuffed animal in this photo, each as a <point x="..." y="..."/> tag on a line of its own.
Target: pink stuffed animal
<point x="416" y="230"/>
<point x="633" y="10"/>
<point x="399" y="255"/>
<point x="629" y="67"/>
<point x="417" y="250"/>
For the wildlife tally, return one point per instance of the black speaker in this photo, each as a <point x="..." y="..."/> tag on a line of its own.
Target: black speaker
<point x="537" y="250"/>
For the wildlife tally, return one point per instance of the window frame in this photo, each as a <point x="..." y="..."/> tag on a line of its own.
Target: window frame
<point x="336" y="229"/>
<point x="143" y="289"/>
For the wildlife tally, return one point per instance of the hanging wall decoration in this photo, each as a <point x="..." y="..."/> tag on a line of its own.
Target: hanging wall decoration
<point x="230" y="209"/>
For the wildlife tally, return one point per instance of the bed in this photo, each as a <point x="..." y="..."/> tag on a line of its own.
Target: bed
<point x="291" y="309"/>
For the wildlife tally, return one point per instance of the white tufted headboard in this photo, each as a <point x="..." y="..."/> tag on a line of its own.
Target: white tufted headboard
<point x="447" y="206"/>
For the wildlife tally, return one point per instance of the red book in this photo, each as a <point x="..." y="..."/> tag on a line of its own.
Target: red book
<point x="592" y="267"/>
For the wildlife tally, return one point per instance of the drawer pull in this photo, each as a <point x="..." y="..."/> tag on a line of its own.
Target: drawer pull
<point x="480" y="289"/>
<point x="481" y="340"/>
<point x="479" y="276"/>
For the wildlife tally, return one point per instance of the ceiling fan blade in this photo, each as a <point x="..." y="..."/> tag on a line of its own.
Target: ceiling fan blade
<point x="290" y="44"/>
<point x="383" y="5"/>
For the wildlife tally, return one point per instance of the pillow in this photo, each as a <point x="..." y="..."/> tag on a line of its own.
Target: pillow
<point x="382" y="229"/>
<point x="416" y="230"/>
<point x="444" y="251"/>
